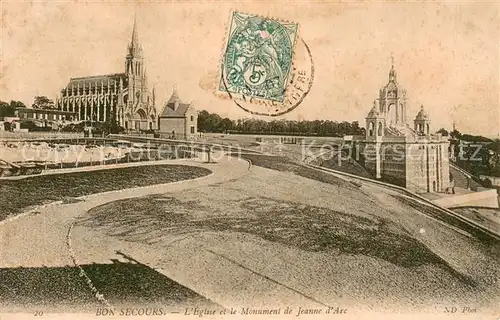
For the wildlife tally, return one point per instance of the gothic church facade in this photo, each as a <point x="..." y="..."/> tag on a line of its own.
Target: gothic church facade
<point x="123" y="97"/>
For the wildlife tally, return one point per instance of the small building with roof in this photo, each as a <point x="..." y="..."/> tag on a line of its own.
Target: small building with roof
<point x="178" y="120"/>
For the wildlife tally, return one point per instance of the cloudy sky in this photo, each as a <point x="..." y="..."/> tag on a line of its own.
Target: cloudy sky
<point x="446" y="55"/>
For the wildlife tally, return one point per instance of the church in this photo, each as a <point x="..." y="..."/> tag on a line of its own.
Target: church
<point x="124" y="97"/>
<point x="394" y="151"/>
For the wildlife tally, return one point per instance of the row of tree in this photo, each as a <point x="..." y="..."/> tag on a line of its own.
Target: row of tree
<point x="476" y="154"/>
<point x="40" y="102"/>
<point x="455" y="134"/>
<point x="9" y="109"/>
<point x="212" y="122"/>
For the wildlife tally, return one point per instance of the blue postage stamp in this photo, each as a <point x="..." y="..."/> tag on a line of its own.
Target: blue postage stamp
<point x="258" y="57"/>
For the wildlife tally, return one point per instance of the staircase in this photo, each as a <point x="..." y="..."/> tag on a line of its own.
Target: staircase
<point x="462" y="178"/>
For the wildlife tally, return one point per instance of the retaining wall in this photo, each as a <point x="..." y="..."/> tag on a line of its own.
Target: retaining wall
<point x="482" y="198"/>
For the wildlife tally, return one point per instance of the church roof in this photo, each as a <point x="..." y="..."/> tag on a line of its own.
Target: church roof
<point x="422" y="115"/>
<point x="373" y="113"/>
<point x="180" y="112"/>
<point x="170" y="110"/>
<point x="92" y="80"/>
<point x="174" y="98"/>
<point x="392" y="85"/>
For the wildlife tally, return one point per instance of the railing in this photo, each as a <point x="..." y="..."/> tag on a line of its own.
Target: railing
<point x="202" y="145"/>
<point x="472" y="181"/>
<point x="7" y="135"/>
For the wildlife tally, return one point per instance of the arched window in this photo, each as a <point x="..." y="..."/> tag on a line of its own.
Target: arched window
<point x="380" y="128"/>
<point x="370" y="129"/>
<point x="391" y="111"/>
<point x="428" y="129"/>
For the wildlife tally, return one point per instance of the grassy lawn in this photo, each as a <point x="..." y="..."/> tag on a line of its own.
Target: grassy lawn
<point x="488" y="217"/>
<point x="17" y="195"/>
<point x="288" y="223"/>
<point x="285" y="164"/>
<point x="345" y="164"/>
<point x="63" y="289"/>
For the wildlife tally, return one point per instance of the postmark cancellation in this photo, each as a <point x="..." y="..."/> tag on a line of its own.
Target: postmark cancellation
<point x="260" y="62"/>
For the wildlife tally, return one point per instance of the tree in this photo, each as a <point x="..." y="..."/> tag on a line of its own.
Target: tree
<point x="226" y="124"/>
<point x="212" y="122"/>
<point x="443" y="132"/>
<point x="17" y="104"/>
<point x="495" y="146"/>
<point x="455" y="134"/>
<point x="8" y="110"/>
<point x="5" y="110"/>
<point x="42" y="102"/>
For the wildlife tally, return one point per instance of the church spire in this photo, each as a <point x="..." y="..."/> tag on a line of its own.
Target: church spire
<point x="135" y="37"/>
<point x="134" y="48"/>
<point x="392" y="72"/>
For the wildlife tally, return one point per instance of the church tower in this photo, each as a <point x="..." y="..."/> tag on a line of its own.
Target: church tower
<point x="392" y="100"/>
<point x="135" y="70"/>
<point x="421" y="124"/>
<point x="375" y="122"/>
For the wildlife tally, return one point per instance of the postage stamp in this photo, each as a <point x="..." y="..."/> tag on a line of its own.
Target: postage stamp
<point x="257" y="60"/>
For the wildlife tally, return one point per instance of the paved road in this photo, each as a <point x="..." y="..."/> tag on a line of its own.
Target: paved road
<point x="36" y="264"/>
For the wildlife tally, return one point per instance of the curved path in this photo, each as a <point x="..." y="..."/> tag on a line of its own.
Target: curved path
<point x="39" y="240"/>
<point x="245" y="269"/>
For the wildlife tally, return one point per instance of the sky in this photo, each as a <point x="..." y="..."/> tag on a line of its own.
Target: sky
<point x="446" y="54"/>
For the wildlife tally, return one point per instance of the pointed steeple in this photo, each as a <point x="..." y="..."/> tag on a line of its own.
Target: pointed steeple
<point x="135" y="37"/>
<point x="174" y="97"/>
<point x="134" y="48"/>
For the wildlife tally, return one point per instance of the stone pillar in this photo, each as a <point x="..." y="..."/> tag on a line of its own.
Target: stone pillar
<point x="98" y="107"/>
<point x="439" y="164"/>
<point x="91" y="101"/>
<point x="427" y="168"/>
<point x="398" y="114"/>
<point x="79" y="105"/>
<point x="105" y="106"/>
<point x="378" y="160"/>
<point x="67" y="99"/>
<point x="85" y="111"/>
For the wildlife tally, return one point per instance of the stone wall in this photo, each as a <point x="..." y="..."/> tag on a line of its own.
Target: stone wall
<point x="483" y="198"/>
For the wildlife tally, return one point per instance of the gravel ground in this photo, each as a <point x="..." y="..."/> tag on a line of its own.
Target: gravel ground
<point x="330" y="239"/>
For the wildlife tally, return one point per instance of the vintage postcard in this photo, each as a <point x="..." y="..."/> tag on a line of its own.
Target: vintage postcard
<point x="249" y="160"/>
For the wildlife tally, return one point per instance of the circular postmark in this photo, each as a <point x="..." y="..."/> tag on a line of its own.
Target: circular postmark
<point x="265" y="71"/>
